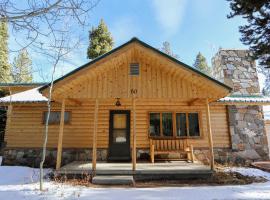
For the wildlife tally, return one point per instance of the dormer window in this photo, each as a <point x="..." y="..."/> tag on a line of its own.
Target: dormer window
<point x="134" y="69"/>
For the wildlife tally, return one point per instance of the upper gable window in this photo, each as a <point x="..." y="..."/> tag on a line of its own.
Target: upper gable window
<point x="134" y="69"/>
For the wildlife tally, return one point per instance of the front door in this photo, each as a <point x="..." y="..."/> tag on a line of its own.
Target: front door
<point x="119" y="135"/>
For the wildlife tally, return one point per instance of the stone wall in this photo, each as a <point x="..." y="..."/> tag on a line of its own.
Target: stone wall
<point x="31" y="157"/>
<point x="237" y="69"/>
<point x="247" y="130"/>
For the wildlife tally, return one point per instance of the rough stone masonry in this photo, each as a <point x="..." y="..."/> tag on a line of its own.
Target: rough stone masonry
<point x="237" y="69"/>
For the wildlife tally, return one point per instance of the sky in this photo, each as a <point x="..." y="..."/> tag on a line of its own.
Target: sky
<point x="191" y="26"/>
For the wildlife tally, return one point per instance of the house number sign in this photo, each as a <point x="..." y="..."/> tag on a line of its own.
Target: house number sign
<point x="133" y="91"/>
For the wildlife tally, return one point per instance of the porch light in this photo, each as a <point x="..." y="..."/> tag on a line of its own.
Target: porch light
<point x="118" y="103"/>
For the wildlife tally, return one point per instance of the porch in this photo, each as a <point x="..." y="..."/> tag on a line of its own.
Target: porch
<point x="144" y="170"/>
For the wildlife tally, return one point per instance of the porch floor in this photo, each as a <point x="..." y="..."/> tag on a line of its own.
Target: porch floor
<point x="142" y="168"/>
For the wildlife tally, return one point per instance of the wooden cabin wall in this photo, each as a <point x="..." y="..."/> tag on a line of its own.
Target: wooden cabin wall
<point x="25" y="128"/>
<point x="156" y="80"/>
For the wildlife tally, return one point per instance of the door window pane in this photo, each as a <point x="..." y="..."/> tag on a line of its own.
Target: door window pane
<point x="193" y="119"/>
<point x="119" y="135"/>
<point x="154" y="127"/>
<point x="181" y="128"/>
<point x="119" y="120"/>
<point x="167" y="125"/>
<point x="119" y="128"/>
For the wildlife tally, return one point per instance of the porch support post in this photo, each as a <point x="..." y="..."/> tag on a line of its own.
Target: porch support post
<point x="60" y="137"/>
<point x="210" y="137"/>
<point x="94" y="150"/>
<point x="134" y="135"/>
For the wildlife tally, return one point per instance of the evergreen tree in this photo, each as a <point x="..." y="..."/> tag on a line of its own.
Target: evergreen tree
<point x="22" y="68"/>
<point x="4" y="64"/>
<point x="256" y="33"/>
<point x="100" y="41"/>
<point x="166" y="48"/>
<point x="201" y="64"/>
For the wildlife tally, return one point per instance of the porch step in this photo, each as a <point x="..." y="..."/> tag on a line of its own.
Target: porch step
<point x="113" y="180"/>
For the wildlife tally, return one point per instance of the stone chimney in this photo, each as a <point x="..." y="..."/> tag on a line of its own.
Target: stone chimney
<point x="237" y="69"/>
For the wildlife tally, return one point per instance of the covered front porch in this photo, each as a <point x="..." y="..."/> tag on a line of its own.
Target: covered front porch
<point x="173" y="169"/>
<point x="127" y="116"/>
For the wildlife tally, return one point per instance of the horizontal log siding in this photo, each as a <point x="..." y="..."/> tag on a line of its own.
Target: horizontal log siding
<point x="26" y="128"/>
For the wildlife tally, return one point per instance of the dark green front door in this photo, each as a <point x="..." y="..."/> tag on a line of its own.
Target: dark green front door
<point x="119" y="135"/>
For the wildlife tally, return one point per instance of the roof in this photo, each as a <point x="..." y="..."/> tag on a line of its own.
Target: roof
<point x="34" y="96"/>
<point x="22" y="84"/>
<point x="134" y="39"/>
<point x="245" y="99"/>
<point x="28" y="96"/>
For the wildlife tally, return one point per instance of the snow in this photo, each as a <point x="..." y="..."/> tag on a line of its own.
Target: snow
<point x="250" y="99"/>
<point x="22" y="183"/>
<point x="250" y="172"/>
<point x="32" y="95"/>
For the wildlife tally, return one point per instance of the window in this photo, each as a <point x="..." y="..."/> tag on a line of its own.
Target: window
<point x="134" y="69"/>
<point x="55" y="117"/>
<point x="193" y="122"/>
<point x="119" y="128"/>
<point x="181" y="128"/>
<point x="154" y="124"/>
<point x="161" y="119"/>
<point x="163" y="124"/>
<point x="167" y="124"/>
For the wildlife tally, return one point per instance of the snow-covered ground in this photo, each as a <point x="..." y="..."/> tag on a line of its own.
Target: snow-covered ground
<point x="22" y="183"/>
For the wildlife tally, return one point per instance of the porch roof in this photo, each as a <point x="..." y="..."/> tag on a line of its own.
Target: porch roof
<point x="35" y="96"/>
<point x="245" y="99"/>
<point x="28" y="96"/>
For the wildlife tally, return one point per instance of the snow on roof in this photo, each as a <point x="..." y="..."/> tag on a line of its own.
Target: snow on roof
<point x="246" y="99"/>
<point x="28" y="96"/>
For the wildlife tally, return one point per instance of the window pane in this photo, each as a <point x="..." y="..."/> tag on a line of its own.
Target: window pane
<point x="119" y="120"/>
<point x="181" y="124"/>
<point x="167" y="124"/>
<point x="154" y="127"/>
<point x="66" y="117"/>
<point x="119" y="135"/>
<point x="193" y="120"/>
<point x="55" y="117"/>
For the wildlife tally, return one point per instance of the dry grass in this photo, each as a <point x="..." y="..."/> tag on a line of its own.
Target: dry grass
<point x="218" y="178"/>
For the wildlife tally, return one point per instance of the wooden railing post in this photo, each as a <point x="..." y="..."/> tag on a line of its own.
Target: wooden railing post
<point x="210" y="137"/>
<point x="60" y="137"/>
<point x="94" y="149"/>
<point x="134" y="135"/>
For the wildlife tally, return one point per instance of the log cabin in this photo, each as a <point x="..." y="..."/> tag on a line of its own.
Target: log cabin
<point x="137" y="103"/>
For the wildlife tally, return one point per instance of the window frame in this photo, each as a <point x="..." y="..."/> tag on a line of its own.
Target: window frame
<point x="174" y="135"/>
<point x="56" y="123"/>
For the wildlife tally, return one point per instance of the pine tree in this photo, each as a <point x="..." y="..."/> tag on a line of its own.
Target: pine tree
<point x="166" y="48"/>
<point x="100" y="41"/>
<point x="4" y="64"/>
<point x="22" y="68"/>
<point x="201" y="64"/>
<point x="256" y="33"/>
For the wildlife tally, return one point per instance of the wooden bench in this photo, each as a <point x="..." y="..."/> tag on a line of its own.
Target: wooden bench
<point x="167" y="146"/>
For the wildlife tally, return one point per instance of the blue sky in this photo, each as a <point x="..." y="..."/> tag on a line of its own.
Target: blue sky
<point x="189" y="25"/>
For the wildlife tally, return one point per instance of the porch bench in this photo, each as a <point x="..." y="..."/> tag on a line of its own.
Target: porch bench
<point x="170" y="145"/>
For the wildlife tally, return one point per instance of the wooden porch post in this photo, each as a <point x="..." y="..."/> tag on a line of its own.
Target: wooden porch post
<point x="60" y="137"/>
<point x="94" y="150"/>
<point x="134" y="135"/>
<point x="210" y="137"/>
